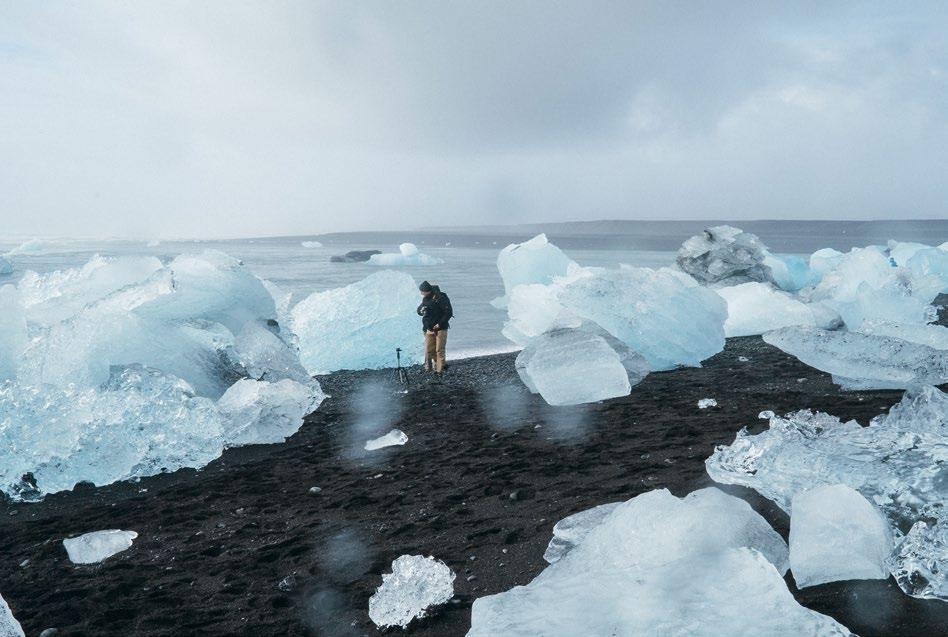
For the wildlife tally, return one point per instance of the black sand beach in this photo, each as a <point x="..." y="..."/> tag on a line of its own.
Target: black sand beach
<point x="244" y="548"/>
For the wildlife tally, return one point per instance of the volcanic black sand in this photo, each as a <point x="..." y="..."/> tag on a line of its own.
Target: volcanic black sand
<point x="244" y="548"/>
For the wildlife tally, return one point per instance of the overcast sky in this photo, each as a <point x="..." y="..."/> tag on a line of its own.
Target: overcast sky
<point x="158" y="119"/>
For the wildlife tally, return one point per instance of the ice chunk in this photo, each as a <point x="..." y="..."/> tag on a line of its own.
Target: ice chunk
<point x="407" y="254"/>
<point x="94" y="547"/>
<point x="574" y="366"/>
<point x="755" y="308"/>
<point x="534" y="309"/>
<point x="9" y="626"/>
<point x="918" y="563"/>
<point x="900" y="252"/>
<point x="896" y="462"/>
<point x="415" y="584"/>
<point x="118" y="364"/>
<point x="354" y="256"/>
<point x="824" y="260"/>
<point x="360" y="325"/>
<point x="836" y="534"/>
<point x="571" y="530"/>
<point x="865" y="284"/>
<point x="864" y="361"/>
<point x="533" y="261"/>
<point x="724" y="254"/>
<point x="393" y="438"/>
<point x="311" y="244"/>
<point x="258" y="412"/>
<point x="661" y="314"/>
<point x="934" y="336"/>
<point x="790" y="272"/>
<point x="659" y="565"/>
<point x="5" y="266"/>
<point x="705" y="403"/>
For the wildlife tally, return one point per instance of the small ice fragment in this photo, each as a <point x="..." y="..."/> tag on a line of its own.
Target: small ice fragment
<point x="415" y="584"/>
<point x="743" y="359"/>
<point x="393" y="438"/>
<point x="96" y="546"/>
<point x="765" y="415"/>
<point x="836" y="534"/>
<point x="311" y="244"/>
<point x="9" y="626"/>
<point x="407" y="254"/>
<point x="705" y="403"/>
<point x="912" y="564"/>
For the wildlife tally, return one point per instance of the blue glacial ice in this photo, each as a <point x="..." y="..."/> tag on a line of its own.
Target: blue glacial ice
<point x="658" y="565"/>
<point x="863" y="361"/>
<point x="896" y="463"/>
<point x="790" y="272"/>
<point x="126" y="358"/>
<point x="533" y="261"/>
<point x="754" y="308"/>
<point x="5" y="266"/>
<point x="360" y="325"/>
<point x="836" y="534"/>
<point x="935" y="336"/>
<point x="569" y="366"/>
<point x="408" y="254"/>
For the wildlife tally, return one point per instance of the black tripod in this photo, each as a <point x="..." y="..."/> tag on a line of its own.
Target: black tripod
<point x="401" y="374"/>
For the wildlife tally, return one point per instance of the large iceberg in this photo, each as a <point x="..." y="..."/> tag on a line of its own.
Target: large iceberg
<point x="754" y="308"/>
<point x="415" y="584"/>
<point x="573" y="366"/>
<point x="126" y="359"/>
<point x="533" y="261"/>
<point x="897" y="463"/>
<point x="658" y="565"/>
<point x="360" y="325"/>
<point x="408" y="254"/>
<point x="864" y="361"/>
<point x="9" y="626"/>
<point x="726" y="255"/>
<point x="836" y="534"/>
<point x="91" y="548"/>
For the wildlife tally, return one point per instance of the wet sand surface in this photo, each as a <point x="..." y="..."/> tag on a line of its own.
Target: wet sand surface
<point x="243" y="547"/>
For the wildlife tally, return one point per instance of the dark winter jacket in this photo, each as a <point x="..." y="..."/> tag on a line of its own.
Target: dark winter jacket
<point x="435" y="309"/>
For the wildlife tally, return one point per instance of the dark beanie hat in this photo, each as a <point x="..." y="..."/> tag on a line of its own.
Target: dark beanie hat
<point x="425" y="286"/>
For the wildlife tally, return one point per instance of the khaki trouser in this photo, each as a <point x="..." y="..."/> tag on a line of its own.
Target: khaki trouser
<point x="435" y="343"/>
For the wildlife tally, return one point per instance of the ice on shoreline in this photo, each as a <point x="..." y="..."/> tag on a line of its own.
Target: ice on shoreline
<point x="656" y="565"/>
<point x="9" y="626"/>
<point x="408" y="254"/>
<point x="94" y="547"/>
<point x="864" y="361"/>
<point x="754" y="308"/>
<point x="836" y="534"/>
<point x="895" y="463"/>
<point x="533" y="261"/>
<point x="127" y="358"/>
<point x="724" y="255"/>
<point x="360" y="325"/>
<point x="393" y="438"/>
<point x="415" y="585"/>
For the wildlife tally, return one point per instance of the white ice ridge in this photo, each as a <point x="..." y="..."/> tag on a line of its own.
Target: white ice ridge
<point x="568" y="366"/>
<point x="407" y="254"/>
<point x="836" y="534"/>
<point x="360" y="325"/>
<point x="865" y="361"/>
<point x="658" y="565"/>
<point x="91" y="548"/>
<point x="533" y="261"/>
<point x="663" y="315"/>
<point x="137" y="361"/>
<point x="393" y="438"/>
<point x="896" y="463"/>
<point x="415" y="584"/>
<point x="9" y="626"/>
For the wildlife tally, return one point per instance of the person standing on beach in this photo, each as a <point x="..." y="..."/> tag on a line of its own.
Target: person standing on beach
<point x="435" y="312"/>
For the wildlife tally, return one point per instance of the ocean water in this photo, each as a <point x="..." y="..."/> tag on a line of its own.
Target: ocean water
<point x="469" y="272"/>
